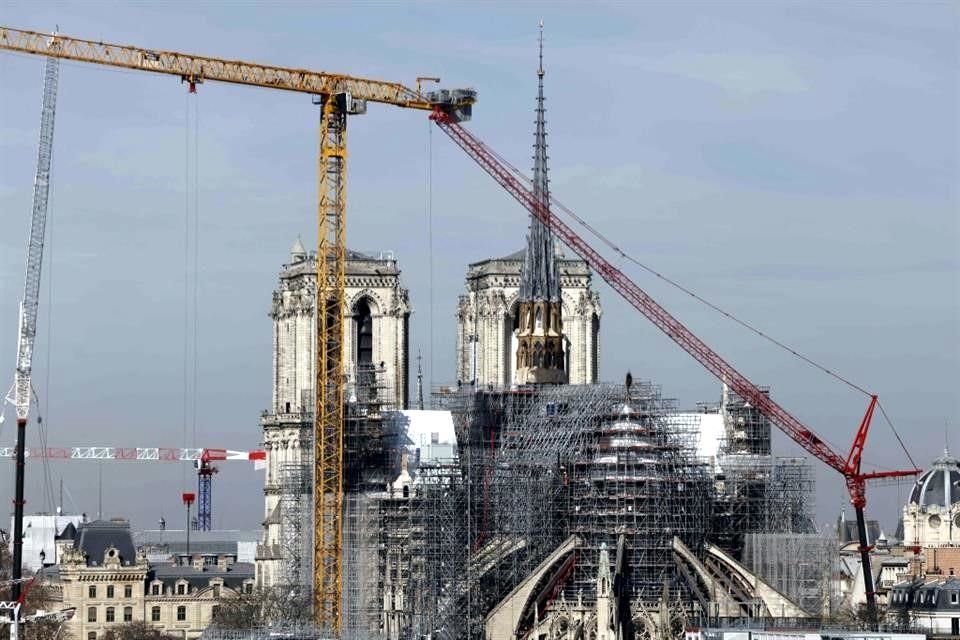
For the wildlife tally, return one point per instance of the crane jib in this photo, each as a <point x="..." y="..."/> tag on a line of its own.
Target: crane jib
<point x="196" y="69"/>
<point x="660" y="317"/>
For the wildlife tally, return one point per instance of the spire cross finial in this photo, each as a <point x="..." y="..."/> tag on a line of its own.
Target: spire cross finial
<point x="540" y="70"/>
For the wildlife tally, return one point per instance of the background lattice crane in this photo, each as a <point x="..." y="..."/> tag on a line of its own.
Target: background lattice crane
<point x="339" y="96"/>
<point x="517" y="185"/>
<point x="202" y="460"/>
<point x="21" y="392"/>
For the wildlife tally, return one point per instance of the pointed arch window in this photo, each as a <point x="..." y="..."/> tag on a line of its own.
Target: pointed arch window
<point x="538" y="320"/>
<point x="364" y="321"/>
<point x="538" y="355"/>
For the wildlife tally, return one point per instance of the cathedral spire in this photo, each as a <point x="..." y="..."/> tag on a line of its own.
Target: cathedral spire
<point x="540" y="279"/>
<point x="541" y="355"/>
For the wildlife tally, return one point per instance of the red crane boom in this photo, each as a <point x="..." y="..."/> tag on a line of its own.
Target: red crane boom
<point x="848" y="466"/>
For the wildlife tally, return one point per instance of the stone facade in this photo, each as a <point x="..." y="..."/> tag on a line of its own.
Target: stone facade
<point x="110" y="583"/>
<point x="375" y="300"/>
<point x="376" y="315"/>
<point x="487" y="322"/>
<point x="540" y="355"/>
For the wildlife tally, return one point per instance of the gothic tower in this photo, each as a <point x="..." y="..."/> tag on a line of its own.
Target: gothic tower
<point x="540" y="353"/>
<point x="376" y="319"/>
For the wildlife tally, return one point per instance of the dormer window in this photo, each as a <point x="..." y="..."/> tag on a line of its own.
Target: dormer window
<point x="181" y="588"/>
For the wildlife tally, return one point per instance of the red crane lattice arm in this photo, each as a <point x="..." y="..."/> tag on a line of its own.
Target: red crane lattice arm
<point x="849" y="466"/>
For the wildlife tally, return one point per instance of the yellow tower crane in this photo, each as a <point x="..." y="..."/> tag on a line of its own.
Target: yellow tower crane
<point x="339" y="96"/>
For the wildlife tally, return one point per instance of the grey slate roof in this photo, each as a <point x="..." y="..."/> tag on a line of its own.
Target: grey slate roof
<point x="940" y="485"/>
<point x="69" y="532"/>
<point x="167" y="536"/>
<point x="94" y="538"/>
<point x="941" y="594"/>
<point x="847" y="531"/>
<point x="234" y="575"/>
<point x="216" y="547"/>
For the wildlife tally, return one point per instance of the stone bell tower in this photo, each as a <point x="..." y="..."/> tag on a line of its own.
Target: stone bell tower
<point x="540" y="349"/>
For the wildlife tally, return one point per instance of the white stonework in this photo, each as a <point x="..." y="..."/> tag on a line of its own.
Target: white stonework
<point x="931" y="517"/>
<point x="486" y="335"/>
<point x="373" y="282"/>
<point x="109" y="584"/>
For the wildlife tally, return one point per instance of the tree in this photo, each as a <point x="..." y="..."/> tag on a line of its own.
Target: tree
<point x="276" y="606"/>
<point x="136" y="631"/>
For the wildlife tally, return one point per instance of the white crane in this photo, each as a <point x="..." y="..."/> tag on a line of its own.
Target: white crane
<point x="22" y="390"/>
<point x="14" y="607"/>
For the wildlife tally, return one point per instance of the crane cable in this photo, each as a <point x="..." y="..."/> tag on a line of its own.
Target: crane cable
<point x="43" y="419"/>
<point x="430" y="244"/>
<point x="186" y="278"/>
<point x="629" y="258"/>
<point x="191" y="273"/>
<point x="196" y="261"/>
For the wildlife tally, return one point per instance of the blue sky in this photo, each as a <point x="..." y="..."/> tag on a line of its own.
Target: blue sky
<point x="796" y="163"/>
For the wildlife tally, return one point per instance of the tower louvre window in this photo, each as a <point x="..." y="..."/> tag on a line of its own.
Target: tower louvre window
<point x="364" y="320"/>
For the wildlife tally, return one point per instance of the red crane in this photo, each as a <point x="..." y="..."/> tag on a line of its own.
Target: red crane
<point x="848" y="466"/>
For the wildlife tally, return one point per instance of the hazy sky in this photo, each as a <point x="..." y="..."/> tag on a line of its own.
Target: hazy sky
<point x="797" y="163"/>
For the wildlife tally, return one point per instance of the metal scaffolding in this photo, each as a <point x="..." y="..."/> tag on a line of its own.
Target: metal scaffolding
<point x="639" y="476"/>
<point x="371" y="457"/>
<point x="362" y="590"/>
<point x="537" y="464"/>
<point x="296" y="527"/>
<point x="433" y="545"/>
<point x="795" y="564"/>
<point x="747" y="430"/>
<point x="756" y="492"/>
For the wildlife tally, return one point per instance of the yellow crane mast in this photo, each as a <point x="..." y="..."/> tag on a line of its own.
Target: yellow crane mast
<point x="339" y="96"/>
